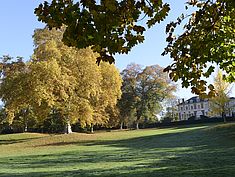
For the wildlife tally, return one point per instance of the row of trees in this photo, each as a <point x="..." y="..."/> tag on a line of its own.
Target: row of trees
<point x="63" y="85"/>
<point x="59" y="80"/>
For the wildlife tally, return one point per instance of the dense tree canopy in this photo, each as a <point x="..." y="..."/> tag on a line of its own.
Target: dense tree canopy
<point x="144" y="90"/>
<point x="112" y="26"/>
<point x="109" y="26"/>
<point x="60" y="78"/>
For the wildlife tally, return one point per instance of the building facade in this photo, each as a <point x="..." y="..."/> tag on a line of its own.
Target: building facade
<point x="196" y="107"/>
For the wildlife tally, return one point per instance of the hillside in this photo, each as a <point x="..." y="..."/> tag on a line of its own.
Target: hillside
<point x="202" y="150"/>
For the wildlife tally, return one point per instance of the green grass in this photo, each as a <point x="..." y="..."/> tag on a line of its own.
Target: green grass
<point x="200" y="151"/>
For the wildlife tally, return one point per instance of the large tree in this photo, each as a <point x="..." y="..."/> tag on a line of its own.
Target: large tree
<point x="127" y="102"/>
<point x="112" y="26"/>
<point x="147" y="89"/>
<point x="64" y="79"/>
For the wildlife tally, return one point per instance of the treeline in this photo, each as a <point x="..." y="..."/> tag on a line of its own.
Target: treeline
<point x="62" y="87"/>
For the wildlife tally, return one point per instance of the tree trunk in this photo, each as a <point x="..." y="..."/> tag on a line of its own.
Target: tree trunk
<point x="92" y="128"/>
<point x="26" y="128"/>
<point x="68" y="128"/>
<point x="224" y="116"/>
<point x="137" y="125"/>
<point x="121" y="125"/>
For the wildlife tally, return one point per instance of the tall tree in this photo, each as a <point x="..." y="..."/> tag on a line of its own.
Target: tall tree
<point x="62" y="78"/>
<point x="128" y="99"/>
<point x="147" y="88"/>
<point x="219" y="105"/>
<point x="88" y="89"/>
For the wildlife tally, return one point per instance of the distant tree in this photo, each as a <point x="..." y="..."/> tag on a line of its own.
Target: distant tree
<point x="171" y="108"/>
<point x="219" y="105"/>
<point x="147" y="88"/>
<point x="128" y="99"/>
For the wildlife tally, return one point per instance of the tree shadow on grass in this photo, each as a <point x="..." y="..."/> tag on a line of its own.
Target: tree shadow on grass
<point x="14" y="141"/>
<point x="190" y="153"/>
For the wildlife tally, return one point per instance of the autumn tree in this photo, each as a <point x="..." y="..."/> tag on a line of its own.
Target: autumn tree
<point x="87" y="89"/>
<point x="64" y="79"/>
<point x="146" y="88"/>
<point x="219" y="105"/>
<point x="14" y="76"/>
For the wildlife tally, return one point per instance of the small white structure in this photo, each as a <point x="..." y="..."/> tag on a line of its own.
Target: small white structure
<point x="198" y="107"/>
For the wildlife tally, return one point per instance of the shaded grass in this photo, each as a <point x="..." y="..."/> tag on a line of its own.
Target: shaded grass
<point x="205" y="150"/>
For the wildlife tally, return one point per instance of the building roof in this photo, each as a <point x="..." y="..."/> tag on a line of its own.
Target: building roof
<point x="196" y="99"/>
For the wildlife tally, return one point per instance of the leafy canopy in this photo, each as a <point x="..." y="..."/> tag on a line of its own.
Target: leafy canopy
<point x="113" y="26"/>
<point x="60" y="78"/>
<point x="143" y="91"/>
<point x="208" y="38"/>
<point x="109" y="26"/>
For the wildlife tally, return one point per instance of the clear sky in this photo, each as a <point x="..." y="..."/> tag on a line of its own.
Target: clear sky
<point x="18" y="23"/>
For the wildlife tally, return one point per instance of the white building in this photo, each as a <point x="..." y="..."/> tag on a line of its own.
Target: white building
<point x="198" y="107"/>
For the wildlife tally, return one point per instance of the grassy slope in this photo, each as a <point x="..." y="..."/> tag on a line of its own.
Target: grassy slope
<point x="185" y="151"/>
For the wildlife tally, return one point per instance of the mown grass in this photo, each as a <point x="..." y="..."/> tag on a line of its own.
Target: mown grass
<point x="202" y="150"/>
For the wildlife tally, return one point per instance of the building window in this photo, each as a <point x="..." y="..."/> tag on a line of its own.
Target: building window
<point x="195" y="106"/>
<point x="198" y="106"/>
<point x="202" y="105"/>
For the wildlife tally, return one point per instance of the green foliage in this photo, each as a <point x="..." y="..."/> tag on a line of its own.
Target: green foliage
<point x="208" y="37"/>
<point x="109" y="26"/>
<point x="54" y="123"/>
<point x="143" y="91"/>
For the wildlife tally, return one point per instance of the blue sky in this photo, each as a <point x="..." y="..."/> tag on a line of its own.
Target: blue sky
<point x="18" y="23"/>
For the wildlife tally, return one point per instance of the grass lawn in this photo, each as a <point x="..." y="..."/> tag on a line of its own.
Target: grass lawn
<point x="196" y="150"/>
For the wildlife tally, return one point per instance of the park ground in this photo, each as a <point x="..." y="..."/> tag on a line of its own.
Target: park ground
<point x="188" y="151"/>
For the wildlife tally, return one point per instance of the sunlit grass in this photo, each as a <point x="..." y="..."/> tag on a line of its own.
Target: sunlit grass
<point x="205" y="150"/>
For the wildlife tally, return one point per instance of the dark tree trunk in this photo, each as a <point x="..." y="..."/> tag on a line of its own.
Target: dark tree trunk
<point x="224" y="117"/>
